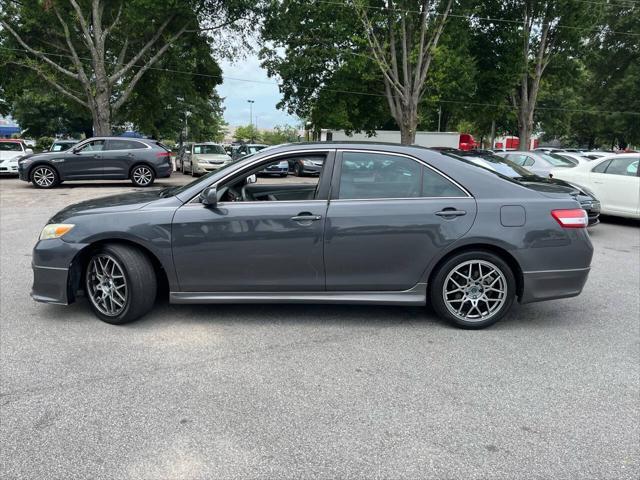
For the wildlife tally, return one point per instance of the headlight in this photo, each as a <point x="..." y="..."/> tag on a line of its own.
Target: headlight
<point x="55" y="230"/>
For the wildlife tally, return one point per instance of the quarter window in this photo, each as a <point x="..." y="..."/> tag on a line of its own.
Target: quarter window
<point x="601" y="167"/>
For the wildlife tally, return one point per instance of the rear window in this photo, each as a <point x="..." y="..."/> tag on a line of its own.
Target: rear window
<point x="557" y="160"/>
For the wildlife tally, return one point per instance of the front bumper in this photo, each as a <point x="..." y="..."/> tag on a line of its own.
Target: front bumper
<point x="208" y="167"/>
<point x="553" y="284"/>
<point x="593" y="211"/>
<point x="8" y="169"/>
<point x="52" y="264"/>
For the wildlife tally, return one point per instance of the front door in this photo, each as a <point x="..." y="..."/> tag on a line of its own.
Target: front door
<point x="260" y="237"/>
<point x="615" y="183"/>
<point x="389" y="215"/>
<point x="83" y="162"/>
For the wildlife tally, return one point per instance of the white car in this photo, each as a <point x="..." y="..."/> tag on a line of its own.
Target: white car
<point x="10" y="152"/>
<point x="614" y="179"/>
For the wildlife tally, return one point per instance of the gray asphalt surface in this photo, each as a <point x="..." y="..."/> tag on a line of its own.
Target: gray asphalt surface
<point x="296" y="391"/>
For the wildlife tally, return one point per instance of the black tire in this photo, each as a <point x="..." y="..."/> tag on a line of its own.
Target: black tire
<point x="141" y="283"/>
<point x="282" y="175"/>
<point x="44" y="176"/>
<point x="142" y="176"/>
<point x="474" y="289"/>
<point x="297" y="170"/>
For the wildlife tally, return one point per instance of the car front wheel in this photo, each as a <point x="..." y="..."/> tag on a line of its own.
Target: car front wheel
<point x="121" y="283"/>
<point x="473" y="289"/>
<point x="44" y="176"/>
<point x="142" y="176"/>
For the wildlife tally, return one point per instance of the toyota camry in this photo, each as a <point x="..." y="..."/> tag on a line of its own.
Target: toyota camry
<point x="381" y="224"/>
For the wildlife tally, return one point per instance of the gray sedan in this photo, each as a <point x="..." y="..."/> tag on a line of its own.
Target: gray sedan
<point x="385" y="224"/>
<point x="539" y="163"/>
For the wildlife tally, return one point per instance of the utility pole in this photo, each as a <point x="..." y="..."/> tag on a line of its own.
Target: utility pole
<point x="251" y="102"/>
<point x="439" y="116"/>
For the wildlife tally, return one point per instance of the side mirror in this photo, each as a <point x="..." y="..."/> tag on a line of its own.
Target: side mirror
<point x="209" y="197"/>
<point x="29" y="151"/>
<point x="75" y="150"/>
<point x="251" y="179"/>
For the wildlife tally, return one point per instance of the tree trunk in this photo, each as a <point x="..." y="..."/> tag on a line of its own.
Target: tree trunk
<point x="101" y="110"/>
<point x="407" y="134"/>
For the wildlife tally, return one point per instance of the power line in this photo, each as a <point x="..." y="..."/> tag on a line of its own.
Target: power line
<point x="489" y="19"/>
<point x="350" y="92"/>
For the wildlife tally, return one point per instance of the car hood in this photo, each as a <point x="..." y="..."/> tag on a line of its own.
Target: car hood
<point x="112" y="204"/>
<point x="7" y="155"/>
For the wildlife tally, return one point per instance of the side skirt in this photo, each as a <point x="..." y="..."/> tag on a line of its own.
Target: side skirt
<point x="414" y="296"/>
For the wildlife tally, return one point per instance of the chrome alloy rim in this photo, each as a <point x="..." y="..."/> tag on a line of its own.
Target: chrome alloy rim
<point x="475" y="290"/>
<point x="44" y="176"/>
<point x="142" y="175"/>
<point x="107" y="285"/>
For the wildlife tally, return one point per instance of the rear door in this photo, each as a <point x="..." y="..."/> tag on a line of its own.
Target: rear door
<point x="119" y="156"/>
<point x="388" y="216"/>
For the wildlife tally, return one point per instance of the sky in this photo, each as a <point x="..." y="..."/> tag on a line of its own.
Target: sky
<point x="261" y="88"/>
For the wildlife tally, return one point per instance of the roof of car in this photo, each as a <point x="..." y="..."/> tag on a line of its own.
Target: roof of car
<point x="11" y="140"/>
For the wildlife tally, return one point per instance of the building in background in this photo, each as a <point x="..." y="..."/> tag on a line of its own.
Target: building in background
<point x="8" y="127"/>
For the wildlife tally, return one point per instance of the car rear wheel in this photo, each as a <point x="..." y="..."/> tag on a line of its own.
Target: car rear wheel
<point x="121" y="284"/>
<point x="142" y="176"/>
<point x="473" y="289"/>
<point x="44" y="176"/>
<point x="298" y="170"/>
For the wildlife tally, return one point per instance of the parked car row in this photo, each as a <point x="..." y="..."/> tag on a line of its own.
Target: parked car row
<point x="10" y="152"/>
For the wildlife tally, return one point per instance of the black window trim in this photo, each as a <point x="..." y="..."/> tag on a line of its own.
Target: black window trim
<point x="335" y="181"/>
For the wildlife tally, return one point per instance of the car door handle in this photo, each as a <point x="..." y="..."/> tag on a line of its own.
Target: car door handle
<point x="57" y="160"/>
<point x="306" y="217"/>
<point x="451" y="212"/>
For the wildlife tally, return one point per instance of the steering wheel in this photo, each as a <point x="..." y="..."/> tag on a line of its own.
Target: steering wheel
<point x="234" y="195"/>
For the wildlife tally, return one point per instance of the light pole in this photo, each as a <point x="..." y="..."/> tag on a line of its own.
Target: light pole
<point x="251" y="102"/>
<point x="187" y="114"/>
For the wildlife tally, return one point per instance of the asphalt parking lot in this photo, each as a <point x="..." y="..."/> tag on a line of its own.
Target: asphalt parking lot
<point x="295" y="391"/>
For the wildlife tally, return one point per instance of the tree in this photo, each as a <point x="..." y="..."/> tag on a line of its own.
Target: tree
<point x="95" y="52"/>
<point x="402" y="44"/>
<point x="358" y="67"/>
<point x="281" y="134"/>
<point x="549" y="29"/>
<point x="247" y="133"/>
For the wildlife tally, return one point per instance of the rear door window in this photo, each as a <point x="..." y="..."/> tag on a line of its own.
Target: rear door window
<point x="623" y="166"/>
<point x="376" y="176"/>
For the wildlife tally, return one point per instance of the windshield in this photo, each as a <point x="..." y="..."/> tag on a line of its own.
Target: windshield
<point x="557" y="160"/>
<point x="208" y="150"/>
<point x="255" y="148"/>
<point x="10" y="147"/>
<point x="61" y="147"/>
<point x="497" y="164"/>
<point x="170" y="191"/>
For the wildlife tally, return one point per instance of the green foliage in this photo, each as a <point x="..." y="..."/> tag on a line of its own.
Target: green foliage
<point x="44" y="143"/>
<point x="281" y="134"/>
<point x="247" y="133"/>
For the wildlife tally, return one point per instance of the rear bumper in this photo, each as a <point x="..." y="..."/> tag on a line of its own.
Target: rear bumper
<point x="164" y="171"/>
<point x="553" y="284"/>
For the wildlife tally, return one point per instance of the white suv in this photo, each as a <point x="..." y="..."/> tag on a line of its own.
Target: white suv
<point x="10" y="152"/>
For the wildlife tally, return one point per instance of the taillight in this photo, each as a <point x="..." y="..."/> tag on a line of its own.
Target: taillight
<point x="574" y="218"/>
<point x="163" y="154"/>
